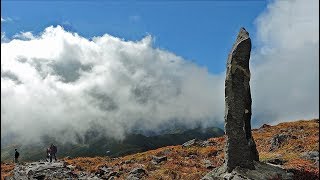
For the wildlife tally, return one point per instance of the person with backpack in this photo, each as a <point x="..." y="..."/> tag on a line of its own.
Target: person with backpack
<point x="16" y="156"/>
<point x="53" y="151"/>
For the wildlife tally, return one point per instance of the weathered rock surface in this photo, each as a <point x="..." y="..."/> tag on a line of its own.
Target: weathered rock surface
<point x="157" y="160"/>
<point x="207" y="164"/>
<point x="311" y="155"/>
<point x="46" y="170"/>
<point x="42" y="170"/>
<point x="262" y="171"/>
<point x="276" y="161"/>
<point x="197" y="142"/>
<point x="136" y="173"/>
<point x="277" y="141"/>
<point x="240" y="148"/>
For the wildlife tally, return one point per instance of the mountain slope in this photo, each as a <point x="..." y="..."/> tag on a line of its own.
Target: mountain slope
<point x="96" y="145"/>
<point x="190" y="162"/>
<point x="292" y="145"/>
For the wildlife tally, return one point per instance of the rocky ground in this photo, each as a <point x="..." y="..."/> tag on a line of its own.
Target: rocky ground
<point x="293" y="146"/>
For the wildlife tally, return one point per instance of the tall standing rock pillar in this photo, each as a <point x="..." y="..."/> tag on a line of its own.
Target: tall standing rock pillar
<point x="240" y="147"/>
<point x="241" y="155"/>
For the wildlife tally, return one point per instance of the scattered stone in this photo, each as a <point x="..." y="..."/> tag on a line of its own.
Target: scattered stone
<point x="276" y="161"/>
<point x="208" y="164"/>
<point x="265" y="126"/>
<point x="157" y="160"/>
<point x="192" y="156"/>
<point x="71" y="167"/>
<point x="43" y="170"/>
<point x="197" y="142"/>
<point x="132" y="177"/>
<point x="207" y="143"/>
<point x="110" y="174"/>
<point x="261" y="171"/>
<point x="39" y="177"/>
<point x="213" y="154"/>
<point x="136" y="173"/>
<point x="277" y="141"/>
<point x="166" y="151"/>
<point x="311" y="155"/>
<point x="8" y="178"/>
<point x="193" y="142"/>
<point x="128" y="161"/>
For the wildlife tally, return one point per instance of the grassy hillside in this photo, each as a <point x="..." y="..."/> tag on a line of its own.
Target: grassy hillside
<point x="188" y="162"/>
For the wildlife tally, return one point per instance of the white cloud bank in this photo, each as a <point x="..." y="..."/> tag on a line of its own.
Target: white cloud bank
<point x="61" y="81"/>
<point x="58" y="83"/>
<point x="285" y="67"/>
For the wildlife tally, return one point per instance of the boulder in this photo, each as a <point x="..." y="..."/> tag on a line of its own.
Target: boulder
<point x="193" y="142"/>
<point x="157" y="160"/>
<point x="277" y="141"/>
<point x="207" y="164"/>
<point x="261" y="171"/>
<point x="276" y="161"/>
<point x="136" y="173"/>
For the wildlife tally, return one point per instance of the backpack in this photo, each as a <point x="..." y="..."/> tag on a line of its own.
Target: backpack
<point x="54" y="149"/>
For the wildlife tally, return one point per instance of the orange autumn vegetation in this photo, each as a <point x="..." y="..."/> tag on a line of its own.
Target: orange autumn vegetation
<point x="188" y="162"/>
<point x="6" y="170"/>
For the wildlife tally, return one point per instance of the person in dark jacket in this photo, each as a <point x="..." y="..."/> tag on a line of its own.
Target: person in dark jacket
<point x="16" y="156"/>
<point x="53" y="151"/>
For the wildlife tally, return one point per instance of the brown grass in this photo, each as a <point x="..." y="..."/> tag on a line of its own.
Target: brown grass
<point x="6" y="170"/>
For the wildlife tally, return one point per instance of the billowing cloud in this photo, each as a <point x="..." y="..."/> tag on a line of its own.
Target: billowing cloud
<point x="24" y="36"/>
<point x="285" y="65"/>
<point x="62" y="84"/>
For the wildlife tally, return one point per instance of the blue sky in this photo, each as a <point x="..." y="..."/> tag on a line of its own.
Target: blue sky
<point x="120" y="85"/>
<point x="202" y="32"/>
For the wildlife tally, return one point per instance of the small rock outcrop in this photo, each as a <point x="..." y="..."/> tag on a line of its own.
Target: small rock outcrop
<point x="278" y="140"/>
<point x="311" y="155"/>
<point x="197" y="142"/>
<point x="157" y="160"/>
<point x="262" y="171"/>
<point x="43" y="170"/>
<point x="207" y="164"/>
<point x="136" y="173"/>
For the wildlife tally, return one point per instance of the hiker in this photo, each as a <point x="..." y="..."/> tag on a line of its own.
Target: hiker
<point x="16" y="156"/>
<point x="48" y="153"/>
<point x="53" y="151"/>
